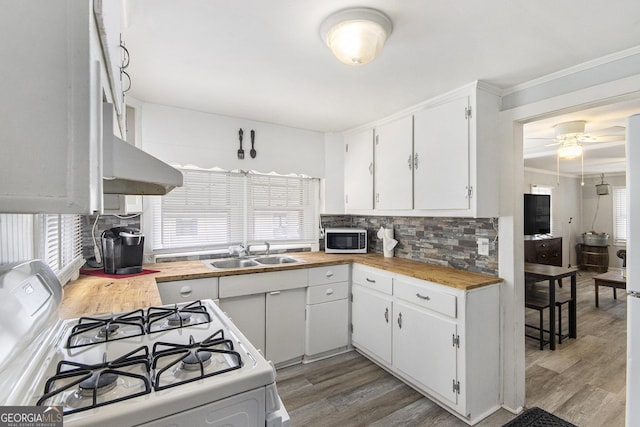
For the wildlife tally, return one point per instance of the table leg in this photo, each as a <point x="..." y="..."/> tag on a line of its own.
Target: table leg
<point x="596" y="289"/>
<point x="552" y="314"/>
<point x="573" y="307"/>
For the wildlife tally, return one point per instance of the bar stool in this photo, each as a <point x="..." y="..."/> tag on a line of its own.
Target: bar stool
<point x="560" y="301"/>
<point x="537" y="299"/>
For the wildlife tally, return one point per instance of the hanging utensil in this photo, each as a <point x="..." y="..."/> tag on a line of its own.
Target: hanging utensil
<point x="253" y="141"/>
<point x="240" y="151"/>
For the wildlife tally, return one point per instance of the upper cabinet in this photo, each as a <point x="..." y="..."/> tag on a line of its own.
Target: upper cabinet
<point x="358" y="170"/>
<point x="394" y="164"/>
<point x="440" y="158"/>
<point x="53" y="88"/>
<point x="441" y="145"/>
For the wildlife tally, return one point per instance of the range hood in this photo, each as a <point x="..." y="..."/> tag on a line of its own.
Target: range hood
<point x="128" y="170"/>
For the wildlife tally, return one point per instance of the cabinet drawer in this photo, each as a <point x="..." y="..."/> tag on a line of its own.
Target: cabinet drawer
<point x="257" y="283"/>
<point x="177" y="291"/>
<point x="328" y="292"/>
<point x="328" y="274"/>
<point x="373" y="278"/>
<point x="426" y="296"/>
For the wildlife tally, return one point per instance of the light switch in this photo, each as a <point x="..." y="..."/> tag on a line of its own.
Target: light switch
<point x="483" y="246"/>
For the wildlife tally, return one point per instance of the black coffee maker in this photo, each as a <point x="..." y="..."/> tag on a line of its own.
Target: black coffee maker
<point x="122" y="250"/>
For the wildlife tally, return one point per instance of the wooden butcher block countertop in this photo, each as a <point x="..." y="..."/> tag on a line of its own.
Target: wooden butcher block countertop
<point x="90" y="295"/>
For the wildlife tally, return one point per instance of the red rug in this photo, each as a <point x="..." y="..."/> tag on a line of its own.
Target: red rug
<point x="101" y="273"/>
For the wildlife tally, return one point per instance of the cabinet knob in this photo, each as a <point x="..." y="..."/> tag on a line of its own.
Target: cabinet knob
<point x="410" y="161"/>
<point x="274" y="293"/>
<point x="370" y="280"/>
<point x="329" y="274"/>
<point x="400" y="320"/>
<point x="329" y="292"/>
<point x="423" y="297"/>
<point x="185" y="291"/>
<point x="386" y="314"/>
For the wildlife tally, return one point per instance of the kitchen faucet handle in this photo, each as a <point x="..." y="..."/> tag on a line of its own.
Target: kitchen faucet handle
<point x="268" y="248"/>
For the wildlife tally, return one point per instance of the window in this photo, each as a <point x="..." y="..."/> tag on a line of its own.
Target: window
<point x="620" y="216"/>
<point x="61" y="244"/>
<point x="545" y="189"/>
<point x="216" y="209"/>
<point x="56" y="239"/>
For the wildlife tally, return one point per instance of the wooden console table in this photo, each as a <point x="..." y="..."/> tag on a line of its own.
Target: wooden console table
<point x="539" y="272"/>
<point x="611" y="279"/>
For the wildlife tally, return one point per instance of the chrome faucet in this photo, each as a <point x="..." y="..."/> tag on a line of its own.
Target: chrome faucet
<point x="239" y="250"/>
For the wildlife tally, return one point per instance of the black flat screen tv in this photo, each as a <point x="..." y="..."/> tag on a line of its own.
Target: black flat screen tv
<point x="537" y="214"/>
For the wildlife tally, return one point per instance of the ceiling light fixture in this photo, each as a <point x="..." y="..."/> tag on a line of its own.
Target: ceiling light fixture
<point x="356" y="36"/>
<point x="568" y="134"/>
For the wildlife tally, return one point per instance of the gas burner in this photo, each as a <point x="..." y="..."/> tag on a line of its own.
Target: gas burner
<point x="97" y="383"/>
<point x="179" y="319"/>
<point x="195" y="358"/>
<point x="164" y="318"/>
<point x="91" y="330"/>
<point x="108" y="331"/>
<point x="177" y="364"/>
<point x="78" y="386"/>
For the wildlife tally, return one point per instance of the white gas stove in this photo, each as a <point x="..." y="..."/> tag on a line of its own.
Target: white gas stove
<point x="184" y="364"/>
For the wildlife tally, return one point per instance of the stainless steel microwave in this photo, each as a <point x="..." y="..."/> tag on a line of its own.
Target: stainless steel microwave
<point x="345" y="241"/>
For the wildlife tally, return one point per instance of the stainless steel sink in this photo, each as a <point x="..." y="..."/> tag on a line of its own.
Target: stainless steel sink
<point x="270" y="260"/>
<point x="233" y="263"/>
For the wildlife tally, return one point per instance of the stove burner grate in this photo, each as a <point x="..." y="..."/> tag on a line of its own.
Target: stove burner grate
<point x="164" y="318"/>
<point x="87" y="383"/>
<point x="195" y="356"/>
<point x="106" y="329"/>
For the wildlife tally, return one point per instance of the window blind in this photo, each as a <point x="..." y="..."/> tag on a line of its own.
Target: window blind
<point x="620" y="215"/>
<point x="16" y="238"/>
<point x="61" y="244"/>
<point x="206" y="212"/>
<point x="282" y="209"/>
<point x="218" y="209"/>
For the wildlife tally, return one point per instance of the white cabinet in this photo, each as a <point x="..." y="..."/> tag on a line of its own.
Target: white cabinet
<point x="51" y="116"/>
<point x="269" y="309"/>
<point x="285" y="326"/>
<point x="443" y="341"/>
<point x="441" y="150"/>
<point x="394" y="164"/>
<point x="248" y="313"/>
<point x="371" y="316"/>
<point x="358" y="170"/>
<point x="327" y="315"/>
<point x="179" y="291"/>
<point x="424" y="349"/>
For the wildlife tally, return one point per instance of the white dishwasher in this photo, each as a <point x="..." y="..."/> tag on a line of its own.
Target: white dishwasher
<point x="327" y="319"/>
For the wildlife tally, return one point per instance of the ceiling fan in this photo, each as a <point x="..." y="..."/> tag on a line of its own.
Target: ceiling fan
<point x="571" y="135"/>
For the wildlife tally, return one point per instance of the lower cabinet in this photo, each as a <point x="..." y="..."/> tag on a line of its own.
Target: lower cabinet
<point x="443" y="341"/>
<point x="371" y="318"/>
<point x="284" y="331"/>
<point x="269" y="309"/>
<point x="424" y="349"/>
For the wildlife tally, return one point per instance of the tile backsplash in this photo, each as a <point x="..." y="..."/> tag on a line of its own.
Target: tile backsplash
<point x="450" y="242"/>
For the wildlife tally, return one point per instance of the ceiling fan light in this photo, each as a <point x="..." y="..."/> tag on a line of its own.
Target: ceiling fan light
<point x="356" y="36"/>
<point x="569" y="151"/>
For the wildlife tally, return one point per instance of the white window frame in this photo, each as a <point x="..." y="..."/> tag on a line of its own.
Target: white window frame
<point x="294" y="197"/>
<point x="620" y="211"/>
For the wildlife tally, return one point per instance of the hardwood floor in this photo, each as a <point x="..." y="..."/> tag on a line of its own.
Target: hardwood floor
<point x="583" y="381"/>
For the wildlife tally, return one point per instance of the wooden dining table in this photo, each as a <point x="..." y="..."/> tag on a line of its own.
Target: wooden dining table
<point x="553" y="274"/>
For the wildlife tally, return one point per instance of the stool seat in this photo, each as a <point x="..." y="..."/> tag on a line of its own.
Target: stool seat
<point x="540" y="302"/>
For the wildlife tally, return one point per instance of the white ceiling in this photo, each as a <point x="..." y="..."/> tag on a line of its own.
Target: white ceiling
<point x="264" y="60"/>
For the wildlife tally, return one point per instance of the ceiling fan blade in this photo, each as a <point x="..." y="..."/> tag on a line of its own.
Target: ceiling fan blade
<point x="552" y="144"/>
<point x="610" y="131"/>
<point x="601" y="138"/>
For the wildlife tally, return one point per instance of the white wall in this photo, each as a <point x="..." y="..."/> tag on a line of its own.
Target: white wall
<point x="602" y="222"/>
<point x="180" y="136"/>
<point x="566" y="204"/>
<point x="334" y="175"/>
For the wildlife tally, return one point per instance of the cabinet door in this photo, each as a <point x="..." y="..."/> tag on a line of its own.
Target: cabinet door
<point x="51" y="119"/>
<point x="394" y="165"/>
<point x="371" y="317"/>
<point x="358" y="170"/>
<point x="441" y="145"/>
<point x="327" y="326"/>
<point x="423" y="349"/>
<point x="248" y="314"/>
<point x="285" y="324"/>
